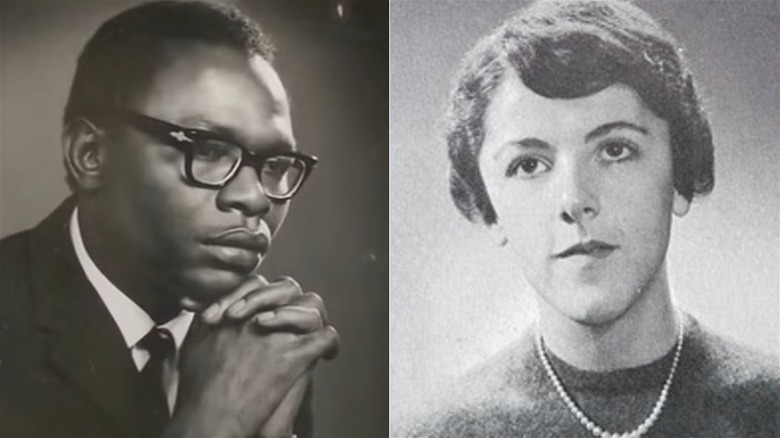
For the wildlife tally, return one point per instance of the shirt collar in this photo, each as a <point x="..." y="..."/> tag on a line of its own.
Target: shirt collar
<point x="132" y="320"/>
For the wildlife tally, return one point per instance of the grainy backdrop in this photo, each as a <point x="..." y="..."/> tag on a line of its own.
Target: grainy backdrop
<point x="335" y="238"/>
<point x="455" y="301"/>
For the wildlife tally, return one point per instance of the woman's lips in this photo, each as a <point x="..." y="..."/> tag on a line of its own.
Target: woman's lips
<point x="592" y="248"/>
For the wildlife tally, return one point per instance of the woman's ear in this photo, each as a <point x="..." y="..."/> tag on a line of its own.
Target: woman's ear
<point x="84" y="153"/>
<point x="681" y="205"/>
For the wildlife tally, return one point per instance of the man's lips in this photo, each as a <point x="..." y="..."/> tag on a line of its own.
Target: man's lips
<point x="239" y="248"/>
<point x="242" y="238"/>
<point x="592" y="248"/>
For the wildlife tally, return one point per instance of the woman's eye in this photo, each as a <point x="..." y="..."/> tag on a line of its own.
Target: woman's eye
<point x="617" y="151"/>
<point x="527" y="167"/>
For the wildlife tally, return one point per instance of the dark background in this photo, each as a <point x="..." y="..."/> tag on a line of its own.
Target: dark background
<point x="335" y="239"/>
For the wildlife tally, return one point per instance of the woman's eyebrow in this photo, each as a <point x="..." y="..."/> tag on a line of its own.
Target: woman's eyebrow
<point x="607" y="127"/>
<point x="525" y="143"/>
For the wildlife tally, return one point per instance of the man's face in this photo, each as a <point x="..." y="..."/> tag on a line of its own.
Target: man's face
<point x="583" y="193"/>
<point x="198" y="242"/>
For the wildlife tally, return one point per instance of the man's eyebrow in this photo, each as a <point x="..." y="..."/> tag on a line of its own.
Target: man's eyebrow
<point x="525" y="143"/>
<point x="607" y="127"/>
<point x="203" y="123"/>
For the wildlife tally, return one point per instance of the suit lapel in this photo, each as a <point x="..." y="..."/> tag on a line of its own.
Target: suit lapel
<point x="83" y="342"/>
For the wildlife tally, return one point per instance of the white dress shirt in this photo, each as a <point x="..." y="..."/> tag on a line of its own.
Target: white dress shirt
<point x="132" y="320"/>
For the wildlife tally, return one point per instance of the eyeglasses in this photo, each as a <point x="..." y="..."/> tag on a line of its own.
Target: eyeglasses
<point x="212" y="161"/>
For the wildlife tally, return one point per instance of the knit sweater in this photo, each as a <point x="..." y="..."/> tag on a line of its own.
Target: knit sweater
<point x="720" y="389"/>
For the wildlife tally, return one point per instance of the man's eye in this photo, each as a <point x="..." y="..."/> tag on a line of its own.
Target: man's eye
<point x="277" y="166"/>
<point x="527" y="167"/>
<point x="212" y="150"/>
<point x="617" y="151"/>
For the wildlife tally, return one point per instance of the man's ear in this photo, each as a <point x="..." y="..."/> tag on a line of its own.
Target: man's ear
<point x="681" y="205"/>
<point x="84" y="153"/>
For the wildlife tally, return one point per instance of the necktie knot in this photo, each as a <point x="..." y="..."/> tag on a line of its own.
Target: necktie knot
<point x="159" y="343"/>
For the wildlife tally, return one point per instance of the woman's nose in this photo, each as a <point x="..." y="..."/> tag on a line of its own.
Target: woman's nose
<point x="579" y="197"/>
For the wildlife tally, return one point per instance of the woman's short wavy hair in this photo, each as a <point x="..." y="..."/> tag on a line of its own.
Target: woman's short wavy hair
<point x="570" y="49"/>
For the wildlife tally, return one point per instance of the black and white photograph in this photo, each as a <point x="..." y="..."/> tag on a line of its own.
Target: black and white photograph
<point x="390" y="218"/>
<point x="194" y="215"/>
<point x="584" y="218"/>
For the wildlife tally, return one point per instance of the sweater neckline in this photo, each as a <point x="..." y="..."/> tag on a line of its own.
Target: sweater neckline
<point x="648" y="376"/>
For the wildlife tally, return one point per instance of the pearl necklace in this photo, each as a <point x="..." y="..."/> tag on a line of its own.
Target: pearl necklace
<point x="595" y="429"/>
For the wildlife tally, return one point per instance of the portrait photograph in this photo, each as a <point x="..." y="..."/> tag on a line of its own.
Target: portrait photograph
<point x="194" y="215"/>
<point x="403" y="218"/>
<point x="584" y="218"/>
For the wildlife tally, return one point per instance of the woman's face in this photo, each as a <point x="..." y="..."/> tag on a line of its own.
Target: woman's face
<point x="583" y="193"/>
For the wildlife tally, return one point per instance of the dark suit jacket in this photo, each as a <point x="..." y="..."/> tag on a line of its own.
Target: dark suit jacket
<point x="65" y="369"/>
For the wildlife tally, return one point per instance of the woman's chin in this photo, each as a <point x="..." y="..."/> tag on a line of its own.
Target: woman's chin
<point x="592" y="306"/>
<point x="595" y="317"/>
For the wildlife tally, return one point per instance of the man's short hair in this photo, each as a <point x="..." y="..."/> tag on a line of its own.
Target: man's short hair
<point x="125" y="51"/>
<point x="572" y="49"/>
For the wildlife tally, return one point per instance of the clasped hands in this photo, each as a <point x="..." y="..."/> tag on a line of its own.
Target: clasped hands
<point x="244" y="373"/>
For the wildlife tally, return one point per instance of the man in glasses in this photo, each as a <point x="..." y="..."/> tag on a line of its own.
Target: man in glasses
<point x="180" y="153"/>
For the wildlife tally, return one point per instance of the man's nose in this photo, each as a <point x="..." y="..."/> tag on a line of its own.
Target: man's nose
<point x="245" y="194"/>
<point x="579" y="195"/>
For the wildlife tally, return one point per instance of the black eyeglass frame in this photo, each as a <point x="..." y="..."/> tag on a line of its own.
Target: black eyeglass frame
<point x="183" y="138"/>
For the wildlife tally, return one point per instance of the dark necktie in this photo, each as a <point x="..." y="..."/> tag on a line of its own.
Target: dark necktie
<point x="159" y="343"/>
